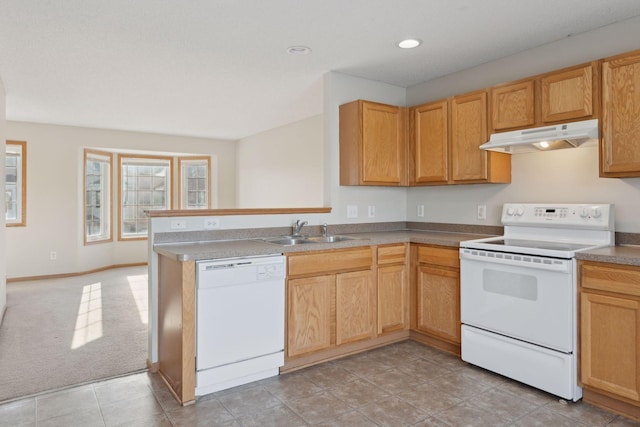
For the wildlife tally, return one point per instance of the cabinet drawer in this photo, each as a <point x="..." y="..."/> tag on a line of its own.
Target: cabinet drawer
<point x="439" y="256"/>
<point x="395" y="254"/>
<point x="326" y="262"/>
<point x="611" y="279"/>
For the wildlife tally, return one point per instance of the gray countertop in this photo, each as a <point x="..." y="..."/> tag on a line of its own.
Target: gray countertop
<point x="624" y="254"/>
<point x="215" y="249"/>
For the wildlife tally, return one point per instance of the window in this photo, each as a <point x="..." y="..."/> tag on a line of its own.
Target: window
<point x="194" y="182"/>
<point x="97" y="196"/>
<point x="145" y="184"/>
<point x="16" y="183"/>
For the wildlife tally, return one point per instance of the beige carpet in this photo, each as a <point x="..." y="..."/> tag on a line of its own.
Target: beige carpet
<point x="69" y="331"/>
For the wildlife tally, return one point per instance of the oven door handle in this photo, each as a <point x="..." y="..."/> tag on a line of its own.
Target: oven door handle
<point x="517" y="260"/>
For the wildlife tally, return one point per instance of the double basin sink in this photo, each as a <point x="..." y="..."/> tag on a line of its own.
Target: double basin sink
<point x="303" y="240"/>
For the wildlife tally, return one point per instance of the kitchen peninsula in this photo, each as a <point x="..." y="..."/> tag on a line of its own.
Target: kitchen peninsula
<point x="372" y="267"/>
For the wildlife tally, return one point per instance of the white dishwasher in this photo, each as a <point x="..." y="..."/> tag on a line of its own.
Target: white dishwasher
<point x="239" y="321"/>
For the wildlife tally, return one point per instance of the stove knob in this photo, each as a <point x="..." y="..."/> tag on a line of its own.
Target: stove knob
<point x="519" y="211"/>
<point x="596" y="212"/>
<point x="584" y="212"/>
<point x="510" y="210"/>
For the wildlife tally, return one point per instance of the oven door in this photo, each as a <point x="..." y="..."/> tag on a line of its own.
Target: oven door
<point x="529" y="298"/>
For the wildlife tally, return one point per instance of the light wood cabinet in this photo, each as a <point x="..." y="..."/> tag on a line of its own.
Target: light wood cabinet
<point x="610" y="336"/>
<point x="512" y="105"/>
<point x="310" y="314"/>
<point x="560" y="96"/>
<point x="355" y="307"/>
<point x="429" y="144"/>
<point x="330" y="299"/>
<point x="372" y="144"/>
<point x="436" y="296"/>
<point x="469" y="163"/>
<point x="620" y="124"/>
<point x="393" y="289"/>
<point x="569" y="94"/>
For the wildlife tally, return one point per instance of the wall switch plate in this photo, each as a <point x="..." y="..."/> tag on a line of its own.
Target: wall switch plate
<point x="421" y="211"/>
<point x="482" y="211"/>
<point x="372" y="211"/>
<point x="178" y="224"/>
<point x="53" y="255"/>
<point x="211" y="223"/>
<point x="352" y="211"/>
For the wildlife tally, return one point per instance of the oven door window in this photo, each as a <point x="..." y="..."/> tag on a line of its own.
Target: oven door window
<point x="526" y="303"/>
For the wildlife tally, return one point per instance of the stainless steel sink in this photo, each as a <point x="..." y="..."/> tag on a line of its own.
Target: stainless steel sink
<point x="289" y="240"/>
<point x="302" y="240"/>
<point x="332" y="239"/>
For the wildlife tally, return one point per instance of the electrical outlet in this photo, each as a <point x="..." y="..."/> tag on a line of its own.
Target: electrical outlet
<point x="53" y="255"/>
<point x="482" y="211"/>
<point x="421" y="211"/>
<point x="352" y="211"/>
<point x="372" y="211"/>
<point x="211" y="223"/>
<point x="178" y="224"/>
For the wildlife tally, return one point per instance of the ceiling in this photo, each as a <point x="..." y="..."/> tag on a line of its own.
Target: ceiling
<point x="220" y="68"/>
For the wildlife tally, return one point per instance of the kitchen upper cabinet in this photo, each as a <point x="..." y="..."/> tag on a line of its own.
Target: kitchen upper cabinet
<point x="330" y="299"/>
<point x="512" y="105"/>
<point x="429" y="144"/>
<point x="620" y="124"/>
<point x="469" y="163"/>
<point x="372" y="144"/>
<point x="569" y="94"/>
<point x="436" y="293"/>
<point x="565" y="95"/>
<point x="610" y="336"/>
<point x="393" y="288"/>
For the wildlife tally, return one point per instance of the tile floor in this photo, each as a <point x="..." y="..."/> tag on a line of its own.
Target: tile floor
<point x="405" y="384"/>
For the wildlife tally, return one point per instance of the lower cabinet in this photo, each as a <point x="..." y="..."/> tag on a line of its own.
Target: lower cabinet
<point x="309" y="314"/>
<point x="436" y="296"/>
<point x="610" y="336"/>
<point x="330" y="299"/>
<point x="393" y="288"/>
<point x="342" y="301"/>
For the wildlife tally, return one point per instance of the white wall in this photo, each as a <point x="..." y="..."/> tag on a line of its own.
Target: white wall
<point x="3" y="230"/>
<point x="566" y="175"/>
<point x="281" y="167"/>
<point x="390" y="203"/>
<point x="54" y="195"/>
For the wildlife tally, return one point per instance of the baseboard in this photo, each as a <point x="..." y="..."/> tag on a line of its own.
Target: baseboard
<point x="65" y="275"/>
<point x="153" y="367"/>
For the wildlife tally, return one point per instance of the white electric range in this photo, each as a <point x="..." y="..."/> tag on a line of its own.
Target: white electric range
<point x="518" y="292"/>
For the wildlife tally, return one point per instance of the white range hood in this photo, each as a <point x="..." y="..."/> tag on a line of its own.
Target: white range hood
<point x="569" y="135"/>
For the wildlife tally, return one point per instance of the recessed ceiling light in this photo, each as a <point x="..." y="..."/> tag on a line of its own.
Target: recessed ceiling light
<point x="409" y="43"/>
<point x="299" y="50"/>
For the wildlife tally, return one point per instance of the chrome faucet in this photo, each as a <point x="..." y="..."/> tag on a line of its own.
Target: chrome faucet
<point x="297" y="227"/>
<point x="324" y="229"/>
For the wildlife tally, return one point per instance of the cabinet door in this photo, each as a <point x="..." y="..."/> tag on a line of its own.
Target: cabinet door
<point x="512" y="105"/>
<point x="429" y="144"/>
<point x="438" y="302"/>
<point x="620" y="142"/>
<point x="567" y="95"/>
<point x="468" y="132"/>
<point x="372" y="144"/>
<point x="355" y="306"/>
<point x="383" y="149"/>
<point x="610" y="345"/>
<point x="309" y="314"/>
<point x="393" y="298"/>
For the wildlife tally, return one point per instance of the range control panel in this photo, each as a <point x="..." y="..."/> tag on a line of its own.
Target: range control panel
<point x="591" y="216"/>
